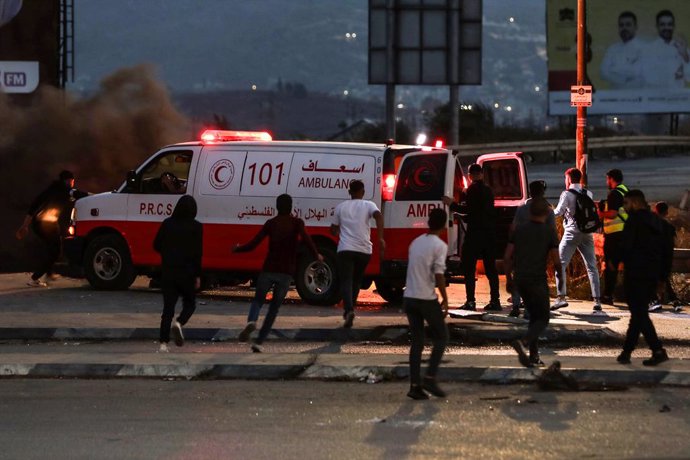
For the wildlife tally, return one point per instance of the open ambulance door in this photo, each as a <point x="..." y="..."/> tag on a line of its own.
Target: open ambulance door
<point x="506" y="175"/>
<point x="422" y="179"/>
<point x="456" y="183"/>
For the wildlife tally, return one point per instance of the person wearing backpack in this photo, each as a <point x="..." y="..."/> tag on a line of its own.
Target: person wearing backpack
<point x="580" y="220"/>
<point x="614" y="216"/>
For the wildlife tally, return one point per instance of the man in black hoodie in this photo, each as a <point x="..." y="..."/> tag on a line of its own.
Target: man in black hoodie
<point x="48" y="216"/>
<point x="480" y="239"/>
<point x="646" y="267"/>
<point x="179" y="242"/>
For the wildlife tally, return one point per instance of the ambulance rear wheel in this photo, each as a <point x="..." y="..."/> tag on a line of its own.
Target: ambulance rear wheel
<point x="107" y="263"/>
<point x="391" y="291"/>
<point x="317" y="282"/>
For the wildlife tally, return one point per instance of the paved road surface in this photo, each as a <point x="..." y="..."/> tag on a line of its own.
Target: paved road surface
<point x="317" y="420"/>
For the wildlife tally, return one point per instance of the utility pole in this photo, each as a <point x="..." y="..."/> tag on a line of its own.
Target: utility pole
<point x="581" y="127"/>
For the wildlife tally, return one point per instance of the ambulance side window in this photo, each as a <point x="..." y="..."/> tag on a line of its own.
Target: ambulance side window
<point x="166" y="174"/>
<point x="421" y="178"/>
<point x="503" y="177"/>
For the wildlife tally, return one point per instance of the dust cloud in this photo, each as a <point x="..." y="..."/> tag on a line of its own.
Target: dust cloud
<point x="99" y="138"/>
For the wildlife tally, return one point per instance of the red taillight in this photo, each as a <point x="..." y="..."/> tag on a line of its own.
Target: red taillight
<point x="218" y="135"/>
<point x="388" y="187"/>
<point x="438" y="144"/>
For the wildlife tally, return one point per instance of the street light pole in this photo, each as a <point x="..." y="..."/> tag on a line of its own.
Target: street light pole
<point x="581" y="127"/>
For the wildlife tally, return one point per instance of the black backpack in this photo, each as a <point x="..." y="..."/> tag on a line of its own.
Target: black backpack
<point x="586" y="215"/>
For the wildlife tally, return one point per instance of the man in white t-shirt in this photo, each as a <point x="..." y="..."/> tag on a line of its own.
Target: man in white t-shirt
<point x="425" y="272"/>
<point x="351" y="223"/>
<point x="622" y="63"/>
<point x="666" y="59"/>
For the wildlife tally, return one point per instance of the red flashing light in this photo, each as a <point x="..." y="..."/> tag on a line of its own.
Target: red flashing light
<point x="388" y="187"/>
<point x="438" y="144"/>
<point x="218" y="135"/>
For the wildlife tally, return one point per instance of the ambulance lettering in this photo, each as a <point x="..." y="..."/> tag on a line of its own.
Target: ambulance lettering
<point x="155" y="209"/>
<point x="420" y="209"/>
<point x="324" y="182"/>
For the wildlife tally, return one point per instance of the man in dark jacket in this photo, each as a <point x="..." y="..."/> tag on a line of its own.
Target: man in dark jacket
<point x="661" y="210"/>
<point x="179" y="241"/>
<point x="48" y="216"/>
<point x="480" y="239"/>
<point x="646" y="267"/>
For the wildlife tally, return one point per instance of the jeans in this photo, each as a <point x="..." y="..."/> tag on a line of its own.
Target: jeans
<point x="280" y="282"/>
<point x="173" y="286"/>
<point x="351" y="266"/>
<point x="472" y="250"/>
<point x="418" y="311"/>
<point x="584" y="244"/>
<point x="638" y="293"/>
<point x="535" y="294"/>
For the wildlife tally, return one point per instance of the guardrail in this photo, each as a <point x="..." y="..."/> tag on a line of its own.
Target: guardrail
<point x="556" y="146"/>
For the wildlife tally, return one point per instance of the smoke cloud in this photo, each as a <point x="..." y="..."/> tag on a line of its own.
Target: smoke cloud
<point x="99" y="138"/>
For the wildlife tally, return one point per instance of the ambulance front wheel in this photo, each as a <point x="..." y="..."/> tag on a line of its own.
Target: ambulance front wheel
<point x="107" y="263"/>
<point x="317" y="282"/>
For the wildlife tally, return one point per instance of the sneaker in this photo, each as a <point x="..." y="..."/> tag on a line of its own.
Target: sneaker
<point x="677" y="306"/>
<point x="430" y="385"/>
<point x="247" y="331"/>
<point x="597" y="311"/>
<point x="176" y="330"/>
<point x="349" y="319"/>
<point x="494" y="305"/>
<point x="654" y="306"/>
<point x="624" y="357"/>
<point x="36" y="283"/>
<point x="256" y="348"/>
<point x="163" y="348"/>
<point x="417" y="393"/>
<point x="522" y="354"/>
<point x="470" y="305"/>
<point x="514" y="313"/>
<point x="658" y="357"/>
<point x="536" y="361"/>
<point x="559" y="303"/>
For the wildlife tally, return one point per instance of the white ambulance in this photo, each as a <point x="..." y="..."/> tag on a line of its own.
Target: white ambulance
<point x="235" y="178"/>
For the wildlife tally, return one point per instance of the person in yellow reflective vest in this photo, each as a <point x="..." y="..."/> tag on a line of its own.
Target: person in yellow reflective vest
<point x="614" y="216"/>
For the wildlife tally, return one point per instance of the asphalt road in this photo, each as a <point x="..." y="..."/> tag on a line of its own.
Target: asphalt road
<point x="317" y="420"/>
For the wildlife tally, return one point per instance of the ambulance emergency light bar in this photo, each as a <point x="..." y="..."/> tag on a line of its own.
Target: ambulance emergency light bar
<point x="217" y="135"/>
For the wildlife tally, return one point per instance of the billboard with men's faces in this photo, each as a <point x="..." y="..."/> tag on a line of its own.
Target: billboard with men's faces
<point x="637" y="56"/>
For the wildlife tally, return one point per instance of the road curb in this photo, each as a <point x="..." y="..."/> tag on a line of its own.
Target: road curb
<point x="471" y="335"/>
<point x="311" y="368"/>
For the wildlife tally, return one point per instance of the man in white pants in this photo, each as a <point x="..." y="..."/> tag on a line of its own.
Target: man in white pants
<point x="573" y="239"/>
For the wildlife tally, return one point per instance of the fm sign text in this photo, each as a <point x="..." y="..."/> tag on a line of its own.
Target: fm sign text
<point x="18" y="76"/>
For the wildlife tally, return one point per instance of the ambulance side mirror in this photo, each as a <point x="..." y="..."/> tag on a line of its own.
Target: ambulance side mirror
<point x="132" y="181"/>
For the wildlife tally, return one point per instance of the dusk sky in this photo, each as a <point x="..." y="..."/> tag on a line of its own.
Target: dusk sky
<point x="201" y="45"/>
